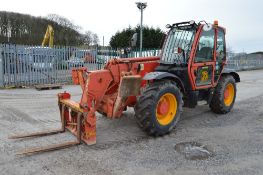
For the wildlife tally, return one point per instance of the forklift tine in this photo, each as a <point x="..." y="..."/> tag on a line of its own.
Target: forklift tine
<point x="45" y="133"/>
<point x="47" y="148"/>
<point x="56" y="146"/>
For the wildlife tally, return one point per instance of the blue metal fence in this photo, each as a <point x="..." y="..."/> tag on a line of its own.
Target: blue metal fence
<point x="246" y="62"/>
<point x="31" y="65"/>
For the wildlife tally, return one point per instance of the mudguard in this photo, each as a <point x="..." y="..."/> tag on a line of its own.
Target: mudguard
<point x="231" y="72"/>
<point x="164" y="75"/>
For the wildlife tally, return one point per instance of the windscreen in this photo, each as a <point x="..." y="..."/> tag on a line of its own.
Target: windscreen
<point x="178" y="46"/>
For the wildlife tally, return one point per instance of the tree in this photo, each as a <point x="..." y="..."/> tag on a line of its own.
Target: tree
<point x="152" y="38"/>
<point x="95" y="39"/>
<point x="62" y="21"/>
<point x="87" y="38"/>
<point x="90" y="38"/>
<point x="29" y="30"/>
<point x="122" y="39"/>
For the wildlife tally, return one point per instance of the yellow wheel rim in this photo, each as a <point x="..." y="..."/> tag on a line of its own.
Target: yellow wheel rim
<point x="166" y="109"/>
<point x="229" y="94"/>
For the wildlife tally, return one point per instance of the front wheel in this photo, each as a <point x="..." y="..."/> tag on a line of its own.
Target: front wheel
<point x="224" y="96"/>
<point x="159" y="108"/>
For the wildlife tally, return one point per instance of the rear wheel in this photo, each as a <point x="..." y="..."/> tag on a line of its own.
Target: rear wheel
<point x="224" y="95"/>
<point x="159" y="107"/>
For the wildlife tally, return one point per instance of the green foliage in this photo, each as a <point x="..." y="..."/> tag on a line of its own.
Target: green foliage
<point x="152" y="38"/>
<point x="29" y="30"/>
<point x="122" y="39"/>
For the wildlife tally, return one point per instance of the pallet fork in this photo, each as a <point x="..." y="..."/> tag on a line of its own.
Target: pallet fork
<point x="76" y="126"/>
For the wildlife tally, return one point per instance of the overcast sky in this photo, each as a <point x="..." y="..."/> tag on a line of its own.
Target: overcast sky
<point x="243" y="19"/>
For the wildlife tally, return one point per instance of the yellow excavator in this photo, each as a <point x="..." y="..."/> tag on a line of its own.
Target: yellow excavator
<point x="49" y="37"/>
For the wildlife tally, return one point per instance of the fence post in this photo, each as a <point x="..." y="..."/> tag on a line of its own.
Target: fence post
<point x="1" y="67"/>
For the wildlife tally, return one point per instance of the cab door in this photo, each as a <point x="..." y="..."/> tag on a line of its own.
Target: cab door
<point x="220" y="53"/>
<point x="204" y="60"/>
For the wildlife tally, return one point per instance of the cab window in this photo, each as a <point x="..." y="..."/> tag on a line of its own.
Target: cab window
<point x="205" y="48"/>
<point x="220" y="48"/>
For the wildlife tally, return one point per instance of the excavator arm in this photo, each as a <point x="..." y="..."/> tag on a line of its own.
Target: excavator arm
<point x="49" y="37"/>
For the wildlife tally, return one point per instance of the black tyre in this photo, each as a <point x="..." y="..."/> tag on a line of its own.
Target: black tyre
<point x="159" y="107"/>
<point x="224" y="96"/>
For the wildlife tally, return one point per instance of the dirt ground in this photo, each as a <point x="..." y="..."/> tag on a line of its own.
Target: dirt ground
<point x="235" y="139"/>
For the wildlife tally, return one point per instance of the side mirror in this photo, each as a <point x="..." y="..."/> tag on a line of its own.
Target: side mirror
<point x="168" y="26"/>
<point x="192" y="22"/>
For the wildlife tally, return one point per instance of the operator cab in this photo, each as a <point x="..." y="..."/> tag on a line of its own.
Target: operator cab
<point x="194" y="52"/>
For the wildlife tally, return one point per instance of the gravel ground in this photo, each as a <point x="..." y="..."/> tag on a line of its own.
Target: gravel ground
<point x="235" y="140"/>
